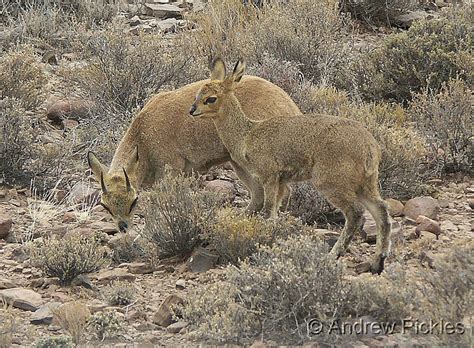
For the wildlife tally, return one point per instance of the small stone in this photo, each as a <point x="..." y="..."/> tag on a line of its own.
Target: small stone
<point x="180" y="284"/>
<point x="22" y="298"/>
<point x="201" y="260"/>
<point x="176" y="327"/>
<point x="427" y="206"/>
<point x="164" y="316"/>
<point x="395" y="207"/>
<point x="428" y="225"/>
<point x="221" y="186"/>
<point x="139" y="268"/>
<point x="107" y="276"/>
<point x="6" y="284"/>
<point x="74" y="109"/>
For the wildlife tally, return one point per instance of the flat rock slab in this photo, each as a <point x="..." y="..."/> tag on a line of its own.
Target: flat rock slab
<point x="44" y="315"/>
<point x="163" y="10"/>
<point x="7" y="284"/>
<point x="22" y="298"/>
<point x="426" y="205"/>
<point x="115" y="274"/>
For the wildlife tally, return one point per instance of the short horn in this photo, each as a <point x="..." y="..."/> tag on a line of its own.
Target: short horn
<point x="127" y="180"/>
<point x="102" y="183"/>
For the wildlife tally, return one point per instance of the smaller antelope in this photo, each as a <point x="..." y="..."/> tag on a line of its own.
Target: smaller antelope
<point x="338" y="155"/>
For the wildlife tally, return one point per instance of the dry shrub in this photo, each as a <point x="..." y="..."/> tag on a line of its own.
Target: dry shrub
<point x="447" y="121"/>
<point x="7" y="324"/>
<point x="278" y="289"/>
<point x="312" y="37"/>
<point x="119" y="293"/>
<point x="127" y="249"/>
<point x="427" y="55"/>
<point x="73" y="317"/>
<point x="177" y="213"/>
<point x="61" y="341"/>
<point x="236" y="236"/>
<point x="68" y="257"/>
<point x="123" y="71"/>
<point x="21" y="77"/>
<point x="378" y="11"/>
<point x="105" y="324"/>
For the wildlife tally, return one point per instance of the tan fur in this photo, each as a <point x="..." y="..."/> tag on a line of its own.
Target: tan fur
<point x="164" y="134"/>
<point x="339" y="156"/>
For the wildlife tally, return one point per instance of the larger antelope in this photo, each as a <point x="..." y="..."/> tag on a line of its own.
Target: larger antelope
<point x="339" y="156"/>
<point x="163" y="134"/>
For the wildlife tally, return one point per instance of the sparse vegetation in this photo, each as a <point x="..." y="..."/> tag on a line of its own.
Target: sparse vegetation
<point x="178" y="212"/>
<point x="119" y="293"/>
<point x="105" y="324"/>
<point x="61" y="341"/>
<point x="68" y="257"/>
<point x="73" y="317"/>
<point x="7" y="324"/>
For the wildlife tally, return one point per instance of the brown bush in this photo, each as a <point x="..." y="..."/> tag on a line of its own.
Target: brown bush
<point x="177" y="213"/>
<point x="236" y="236"/>
<point x="446" y="119"/>
<point x="68" y="257"/>
<point x="21" y="77"/>
<point x="378" y="11"/>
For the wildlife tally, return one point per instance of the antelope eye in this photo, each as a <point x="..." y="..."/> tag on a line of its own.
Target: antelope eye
<point x="106" y="208"/>
<point x="210" y="100"/>
<point x="133" y="205"/>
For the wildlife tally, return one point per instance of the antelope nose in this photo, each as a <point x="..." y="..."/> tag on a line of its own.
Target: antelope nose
<point x="192" y="110"/>
<point x="122" y="225"/>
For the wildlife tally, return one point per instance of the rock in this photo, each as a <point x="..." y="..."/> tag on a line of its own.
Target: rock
<point x="428" y="225"/>
<point x="369" y="230"/>
<point x="83" y="193"/>
<point x="471" y="203"/>
<point x="107" y="276"/>
<point x="70" y="124"/>
<point x="44" y="314"/>
<point x="427" y="206"/>
<point x="221" y="186"/>
<point x="106" y="227"/>
<point x="6" y="224"/>
<point x="163" y="10"/>
<point x="427" y="235"/>
<point x="138" y="268"/>
<point x="170" y="25"/>
<point x="180" y="284"/>
<point x="176" y="327"/>
<point x="406" y="20"/>
<point x="201" y="260"/>
<point x="69" y="217"/>
<point x="164" y="316"/>
<point x="135" y="20"/>
<point x="395" y="207"/>
<point x="22" y="298"/>
<point x="330" y="237"/>
<point x="83" y="280"/>
<point x="6" y="284"/>
<point x="50" y="57"/>
<point x="74" y="109"/>
<point x="428" y="257"/>
<point x="96" y="306"/>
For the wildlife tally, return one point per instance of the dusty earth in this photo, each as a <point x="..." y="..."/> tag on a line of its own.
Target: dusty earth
<point x="451" y="218"/>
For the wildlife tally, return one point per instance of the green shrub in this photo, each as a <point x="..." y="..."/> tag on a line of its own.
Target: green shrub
<point x="235" y="236"/>
<point x="446" y="119"/>
<point x="105" y="324"/>
<point x="177" y="213"/>
<point x="427" y="55"/>
<point x="68" y="257"/>
<point x="55" y="342"/>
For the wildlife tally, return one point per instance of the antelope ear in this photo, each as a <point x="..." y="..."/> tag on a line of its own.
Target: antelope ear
<point x="218" y="70"/>
<point x="98" y="169"/>
<point x="132" y="164"/>
<point x="239" y="71"/>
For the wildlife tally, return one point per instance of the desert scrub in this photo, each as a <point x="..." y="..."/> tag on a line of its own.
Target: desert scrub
<point x="427" y="55"/>
<point x="236" y="236"/>
<point x="73" y="317"/>
<point x="377" y="11"/>
<point x="105" y="324"/>
<point x="22" y="78"/>
<point x="447" y="120"/>
<point x="68" y="257"/>
<point x="61" y="341"/>
<point x="123" y="71"/>
<point x="279" y="288"/>
<point x="127" y="249"/>
<point x="177" y="213"/>
<point x="119" y="293"/>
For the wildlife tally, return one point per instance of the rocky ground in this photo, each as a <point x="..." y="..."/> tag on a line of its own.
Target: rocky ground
<point x="424" y="228"/>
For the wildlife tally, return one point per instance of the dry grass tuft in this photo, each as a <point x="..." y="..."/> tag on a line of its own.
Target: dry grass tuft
<point x="73" y="317"/>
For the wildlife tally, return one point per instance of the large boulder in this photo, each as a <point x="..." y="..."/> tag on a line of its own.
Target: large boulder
<point x="427" y="206"/>
<point x="22" y="298"/>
